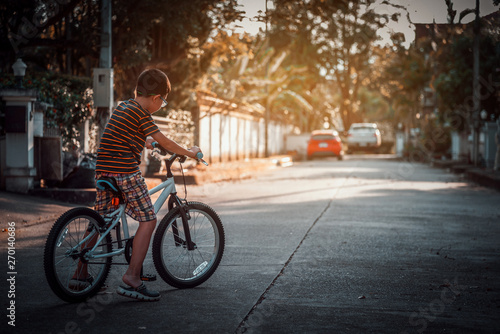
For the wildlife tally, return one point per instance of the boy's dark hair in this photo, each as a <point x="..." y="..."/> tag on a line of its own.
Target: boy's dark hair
<point x="153" y="82"/>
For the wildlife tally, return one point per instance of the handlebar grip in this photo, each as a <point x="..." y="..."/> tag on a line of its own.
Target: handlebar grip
<point x="199" y="157"/>
<point x="162" y="150"/>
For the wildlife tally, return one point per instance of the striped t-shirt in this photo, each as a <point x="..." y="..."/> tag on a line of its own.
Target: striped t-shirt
<point x="124" y="138"/>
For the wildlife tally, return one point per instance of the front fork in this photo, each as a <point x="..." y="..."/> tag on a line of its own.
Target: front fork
<point x="174" y="200"/>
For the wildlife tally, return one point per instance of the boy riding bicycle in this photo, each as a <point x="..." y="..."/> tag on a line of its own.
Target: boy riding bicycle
<point x="119" y="156"/>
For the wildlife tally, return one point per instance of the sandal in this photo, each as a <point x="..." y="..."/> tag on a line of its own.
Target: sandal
<point x="79" y="284"/>
<point x="140" y="293"/>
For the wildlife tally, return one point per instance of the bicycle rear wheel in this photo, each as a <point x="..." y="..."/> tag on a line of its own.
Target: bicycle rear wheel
<point x="69" y="274"/>
<point x="178" y="266"/>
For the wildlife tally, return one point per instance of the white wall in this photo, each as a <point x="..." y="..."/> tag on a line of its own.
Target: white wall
<point x="232" y="137"/>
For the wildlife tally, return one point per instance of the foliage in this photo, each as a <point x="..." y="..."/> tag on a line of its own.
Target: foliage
<point x="257" y="71"/>
<point x="64" y="37"/>
<point x="442" y="63"/>
<point x="454" y="72"/>
<point x="346" y="34"/>
<point x="226" y="60"/>
<point x="298" y="70"/>
<point x="454" y="68"/>
<point x="69" y="99"/>
<point x="373" y="105"/>
<point x="61" y="36"/>
<point x="171" y="36"/>
<point x="404" y="76"/>
<point x="302" y="97"/>
<point x="318" y="61"/>
<point x="278" y="72"/>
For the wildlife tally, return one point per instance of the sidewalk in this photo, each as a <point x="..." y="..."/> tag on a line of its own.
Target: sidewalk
<point x="485" y="177"/>
<point x="28" y="210"/>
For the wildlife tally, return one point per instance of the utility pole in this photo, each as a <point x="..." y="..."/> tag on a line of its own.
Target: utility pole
<point x="476" y="88"/>
<point x="103" y="76"/>
<point x="105" y="56"/>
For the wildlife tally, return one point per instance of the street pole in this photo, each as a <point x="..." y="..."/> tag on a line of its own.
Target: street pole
<point x="105" y="55"/>
<point x="103" y="76"/>
<point x="476" y="89"/>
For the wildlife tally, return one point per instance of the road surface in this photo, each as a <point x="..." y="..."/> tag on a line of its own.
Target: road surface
<point x="365" y="245"/>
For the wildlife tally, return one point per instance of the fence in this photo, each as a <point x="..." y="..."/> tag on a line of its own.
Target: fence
<point x="228" y="131"/>
<point x="225" y="131"/>
<point x="178" y="127"/>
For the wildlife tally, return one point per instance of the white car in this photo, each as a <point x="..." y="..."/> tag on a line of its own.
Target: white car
<point x="362" y="136"/>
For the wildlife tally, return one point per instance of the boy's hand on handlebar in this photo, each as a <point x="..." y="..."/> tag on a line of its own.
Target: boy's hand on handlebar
<point x="198" y="155"/>
<point x="195" y="150"/>
<point x="149" y="142"/>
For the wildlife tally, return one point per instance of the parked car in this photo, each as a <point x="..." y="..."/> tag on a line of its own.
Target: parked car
<point x="325" y="143"/>
<point x="363" y="136"/>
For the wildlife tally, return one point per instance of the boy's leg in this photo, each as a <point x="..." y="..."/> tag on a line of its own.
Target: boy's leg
<point x="132" y="276"/>
<point x="81" y="269"/>
<point x="141" y="209"/>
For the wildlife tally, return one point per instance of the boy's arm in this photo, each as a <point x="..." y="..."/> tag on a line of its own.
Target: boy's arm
<point x="172" y="146"/>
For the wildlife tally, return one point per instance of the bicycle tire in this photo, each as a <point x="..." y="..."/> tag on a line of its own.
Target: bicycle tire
<point x="175" y="264"/>
<point x="61" y="257"/>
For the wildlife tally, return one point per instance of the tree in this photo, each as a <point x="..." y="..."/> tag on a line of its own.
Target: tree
<point x="63" y="37"/>
<point x="404" y="75"/>
<point x="48" y="33"/>
<point x="310" y="45"/>
<point x="442" y="62"/>
<point x="454" y="69"/>
<point x="276" y="70"/>
<point x="346" y="33"/>
<point x="299" y="97"/>
<point x="285" y="66"/>
<point x="167" y="38"/>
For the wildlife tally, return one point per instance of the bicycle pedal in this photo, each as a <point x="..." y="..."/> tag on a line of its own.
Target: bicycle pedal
<point x="148" y="278"/>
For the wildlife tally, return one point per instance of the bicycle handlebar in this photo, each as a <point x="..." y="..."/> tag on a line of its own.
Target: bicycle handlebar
<point x="163" y="151"/>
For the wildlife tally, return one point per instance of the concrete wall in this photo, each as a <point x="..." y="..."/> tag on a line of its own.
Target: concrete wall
<point x="229" y="137"/>
<point x="228" y="131"/>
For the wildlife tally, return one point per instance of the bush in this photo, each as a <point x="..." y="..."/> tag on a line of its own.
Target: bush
<point x="69" y="99"/>
<point x="433" y="143"/>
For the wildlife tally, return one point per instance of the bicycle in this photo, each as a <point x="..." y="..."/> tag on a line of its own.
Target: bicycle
<point x="187" y="247"/>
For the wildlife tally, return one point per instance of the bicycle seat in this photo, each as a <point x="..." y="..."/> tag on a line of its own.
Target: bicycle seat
<point x="108" y="183"/>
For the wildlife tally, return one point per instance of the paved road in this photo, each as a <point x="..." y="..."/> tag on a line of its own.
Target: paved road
<point x="364" y="245"/>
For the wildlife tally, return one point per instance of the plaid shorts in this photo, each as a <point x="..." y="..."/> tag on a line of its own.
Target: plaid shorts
<point x="138" y="203"/>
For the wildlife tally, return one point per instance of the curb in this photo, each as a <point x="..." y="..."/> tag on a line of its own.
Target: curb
<point x="490" y="179"/>
<point x="484" y="177"/>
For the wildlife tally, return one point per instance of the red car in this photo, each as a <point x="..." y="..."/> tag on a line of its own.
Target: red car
<point x="325" y="143"/>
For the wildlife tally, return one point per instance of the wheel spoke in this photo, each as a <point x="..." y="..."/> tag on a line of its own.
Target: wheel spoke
<point x="68" y="240"/>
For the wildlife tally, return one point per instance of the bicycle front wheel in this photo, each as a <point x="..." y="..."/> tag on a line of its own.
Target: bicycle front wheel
<point x="70" y="274"/>
<point x="178" y="266"/>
